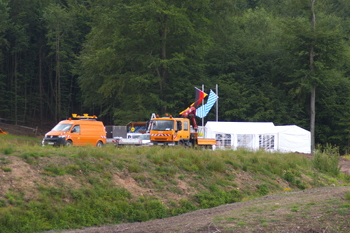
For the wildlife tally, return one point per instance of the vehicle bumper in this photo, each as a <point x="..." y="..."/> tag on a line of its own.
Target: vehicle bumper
<point x="162" y="143"/>
<point x="53" y="142"/>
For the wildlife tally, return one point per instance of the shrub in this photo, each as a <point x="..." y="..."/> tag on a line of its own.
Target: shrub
<point x="326" y="159"/>
<point x="289" y="176"/>
<point x="263" y="189"/>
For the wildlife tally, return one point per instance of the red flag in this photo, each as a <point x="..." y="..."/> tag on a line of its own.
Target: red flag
<point x="200" y="95"/>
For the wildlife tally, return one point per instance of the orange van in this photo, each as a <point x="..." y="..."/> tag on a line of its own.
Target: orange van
<point x="78" y="131"/>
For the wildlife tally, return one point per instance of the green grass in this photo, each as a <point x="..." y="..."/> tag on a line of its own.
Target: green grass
<point x="6" y="169"/>
<point x="201" y="178"/>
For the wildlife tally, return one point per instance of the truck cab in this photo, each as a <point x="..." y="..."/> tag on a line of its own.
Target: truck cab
<point x="170" y="131"/>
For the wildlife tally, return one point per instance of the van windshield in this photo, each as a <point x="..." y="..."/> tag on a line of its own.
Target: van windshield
<point x="62" y="127"/>
<point x="163" y="125"/>
<point x="145" y="137"/>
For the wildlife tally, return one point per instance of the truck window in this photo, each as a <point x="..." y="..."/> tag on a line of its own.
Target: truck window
<point x="62" y="127"/>
<point x="163" y="125"/>
<point x="186" y="125"/>
<point x="179" y="125"/>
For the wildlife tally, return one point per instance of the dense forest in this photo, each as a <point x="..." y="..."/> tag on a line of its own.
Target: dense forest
<point x="285" y="61"/>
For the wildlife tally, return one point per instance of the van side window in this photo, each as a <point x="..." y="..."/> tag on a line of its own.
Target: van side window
<point x="76" y="129"/>
<point x="186" y="125"/>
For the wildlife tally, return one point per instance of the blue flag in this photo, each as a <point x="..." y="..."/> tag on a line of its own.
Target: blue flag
<point x="202" y="111"/>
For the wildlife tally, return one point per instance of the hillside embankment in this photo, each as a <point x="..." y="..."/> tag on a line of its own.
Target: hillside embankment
<point x="88" y="189"/>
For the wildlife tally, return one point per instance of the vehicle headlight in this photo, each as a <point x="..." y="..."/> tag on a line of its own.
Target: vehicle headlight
<point x="62" y="136"/>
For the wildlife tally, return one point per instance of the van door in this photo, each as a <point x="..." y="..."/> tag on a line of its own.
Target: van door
<point x="75" y="135"/>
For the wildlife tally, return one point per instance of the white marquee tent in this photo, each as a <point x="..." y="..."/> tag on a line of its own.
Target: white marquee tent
<point x="259" y="135"/>
<point x="292" y="138"/>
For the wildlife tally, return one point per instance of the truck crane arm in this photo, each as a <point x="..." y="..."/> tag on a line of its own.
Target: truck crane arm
<point x="190" y="113"/>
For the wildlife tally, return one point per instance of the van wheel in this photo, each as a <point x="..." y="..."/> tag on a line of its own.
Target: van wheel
<point x="99" y="144"/>
<point x="69" y="143"/>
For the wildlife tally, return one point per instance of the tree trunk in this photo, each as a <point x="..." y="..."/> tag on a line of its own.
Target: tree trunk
<point x="41" y="99"/>
<point x="58" y="76"/>
<point x="313" y="89"/>
<point x="162" y="54"/>
<point x="16" y="87"/>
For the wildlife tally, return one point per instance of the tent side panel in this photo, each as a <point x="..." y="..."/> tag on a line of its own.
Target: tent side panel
<point x="295" y="142"/>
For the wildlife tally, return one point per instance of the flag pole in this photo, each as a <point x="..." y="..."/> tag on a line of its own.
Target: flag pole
<point x="217" y="103"/>
<point x="202" y="105"/>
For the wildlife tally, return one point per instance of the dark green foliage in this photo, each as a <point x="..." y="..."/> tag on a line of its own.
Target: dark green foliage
<point x="2" y="203"/>
<point x="124" y="60"/>
<point x="293" y="179"/>
<point x="216" y="197"/>
<point x="263" y="189"/>
<point x="326" y="159"/>
<point x="184" y="207"/>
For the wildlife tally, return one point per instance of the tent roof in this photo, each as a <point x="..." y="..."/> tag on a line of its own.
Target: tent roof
<point x="241" y="127"/>
<point x="291" y="129"/>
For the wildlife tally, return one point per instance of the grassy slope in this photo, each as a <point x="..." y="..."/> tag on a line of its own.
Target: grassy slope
<point x="46" y="188"/>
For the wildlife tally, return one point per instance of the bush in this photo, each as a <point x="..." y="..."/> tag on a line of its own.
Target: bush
<point x="263" y="189"/>
<point x="326" y="160"/>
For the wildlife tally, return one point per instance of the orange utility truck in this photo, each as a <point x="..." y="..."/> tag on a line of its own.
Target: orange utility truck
<point x="177" y="131"/>
<point x="78" y="131"/>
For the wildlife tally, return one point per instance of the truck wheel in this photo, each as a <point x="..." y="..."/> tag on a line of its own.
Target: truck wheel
<point x="69" y="143"/>
<point x="182" y="143"/>
<point x="99" y="144"/>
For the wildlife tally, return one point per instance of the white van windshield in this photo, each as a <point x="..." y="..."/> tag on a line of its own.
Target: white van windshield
<point x="145" y="137"/>
<point x="62" y="127"/>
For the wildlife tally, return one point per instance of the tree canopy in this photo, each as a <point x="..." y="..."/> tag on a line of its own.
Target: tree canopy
<point x="124" y="60"/>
